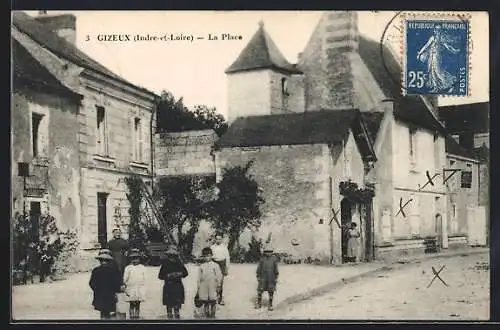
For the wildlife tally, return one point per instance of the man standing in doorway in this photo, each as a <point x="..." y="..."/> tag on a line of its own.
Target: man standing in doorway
<point x="221" y="257"/>
<point x="118" y="247"/>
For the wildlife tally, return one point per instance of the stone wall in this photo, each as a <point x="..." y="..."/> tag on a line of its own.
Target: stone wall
<point x="185" y="153"/>
<point x="327" y="63"/>
<point x="293" y="101"/>
<point x="61" y="176"/>
<point x="248" y="94"/>
<point x="294" y="181"/>
<point x="460" y="199"/>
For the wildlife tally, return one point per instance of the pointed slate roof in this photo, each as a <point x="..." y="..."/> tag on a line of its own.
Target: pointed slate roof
<point x="261" y="53"/>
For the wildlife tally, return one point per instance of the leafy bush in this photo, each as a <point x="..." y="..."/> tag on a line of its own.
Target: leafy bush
<point x="36" y="251"/>
<point x="238" y="254"/>
<point x="254" y="252"/>
<point x="64" y="263"/>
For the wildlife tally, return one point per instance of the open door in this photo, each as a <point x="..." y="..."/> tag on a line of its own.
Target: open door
<point x="346" y="218"/>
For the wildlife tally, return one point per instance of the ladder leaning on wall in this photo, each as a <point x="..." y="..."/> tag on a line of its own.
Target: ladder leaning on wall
<point x="167" y="230"/>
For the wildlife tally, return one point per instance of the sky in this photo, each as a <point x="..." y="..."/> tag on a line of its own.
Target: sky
<point x="195" y="70"/>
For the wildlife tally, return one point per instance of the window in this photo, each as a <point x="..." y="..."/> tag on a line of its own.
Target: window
<point x="284" y="86"/>
<point x="138" y="140"/>
<point x="36" y="119"/>
<point x="102" y="147"/>
<point x="466" y="179"/>
<point x="437" y="152"/>
<point x="413" y="145"/>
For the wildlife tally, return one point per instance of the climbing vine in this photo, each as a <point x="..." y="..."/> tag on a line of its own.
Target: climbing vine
<point x="136" y="230"/>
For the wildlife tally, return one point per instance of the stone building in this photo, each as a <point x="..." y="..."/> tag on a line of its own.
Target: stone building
<point x="300" y="162"/>
<point x="115" y="122"/>
<point x="262" y="74"/>
<point x="41" y="105"/>
<point x="340" y="69"/>
<point x="468" y="124"/>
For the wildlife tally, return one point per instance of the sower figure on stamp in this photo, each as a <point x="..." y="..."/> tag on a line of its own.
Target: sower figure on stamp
<point x="118" y="247"/>
<point x="172" y="271"/>
<point x="221" y="257"/>
<point x="267" y="276"/>
<point x="431" y="53"/>
<point x="105" y="282"/>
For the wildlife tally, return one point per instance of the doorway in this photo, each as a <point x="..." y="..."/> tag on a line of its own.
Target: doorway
<point x="35" y="213"/>
<point x="345" y="218"/>
<point x="102" y="223"/>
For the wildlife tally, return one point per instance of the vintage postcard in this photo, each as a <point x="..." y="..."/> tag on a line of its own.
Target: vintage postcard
<point x="250" y="165"/>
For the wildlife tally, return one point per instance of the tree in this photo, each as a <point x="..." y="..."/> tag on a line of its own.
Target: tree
<point x="209" y="118"/>
<point x="182" y="207"/>
<point x="174" y="116"/>
<point x="238" y="205"/>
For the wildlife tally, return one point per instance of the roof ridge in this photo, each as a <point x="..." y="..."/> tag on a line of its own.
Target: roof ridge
<point x="22" y="22"/>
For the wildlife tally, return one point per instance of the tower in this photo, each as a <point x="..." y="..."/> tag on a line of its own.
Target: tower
<point x="261" y="81"/>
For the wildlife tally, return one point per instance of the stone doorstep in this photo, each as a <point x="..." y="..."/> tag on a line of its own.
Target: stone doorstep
<point x="296" y="298"/>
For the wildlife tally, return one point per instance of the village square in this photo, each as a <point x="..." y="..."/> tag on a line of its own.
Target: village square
<point x="322" y="189"/>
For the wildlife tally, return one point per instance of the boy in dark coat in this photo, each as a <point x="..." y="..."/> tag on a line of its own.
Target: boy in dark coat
<point x="267" y="276"/>
<point x="106" y="282"/>
<point x="172" y="271"/>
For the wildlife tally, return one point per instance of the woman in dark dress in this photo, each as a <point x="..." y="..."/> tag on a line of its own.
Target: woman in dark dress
<point x="118" y="247"/>
<point x="172" y="271"/>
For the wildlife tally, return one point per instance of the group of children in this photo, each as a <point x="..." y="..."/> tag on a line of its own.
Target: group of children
<point x="106" y="282"/>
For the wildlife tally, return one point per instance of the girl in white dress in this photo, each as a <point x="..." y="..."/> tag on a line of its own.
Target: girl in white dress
<point x="134" y="281"/>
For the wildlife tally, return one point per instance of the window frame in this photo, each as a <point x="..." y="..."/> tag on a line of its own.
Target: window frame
<point x="102" y="132"/>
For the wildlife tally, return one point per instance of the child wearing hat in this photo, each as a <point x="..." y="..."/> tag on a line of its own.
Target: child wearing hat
<point x="267" y="276"/>
<point x="134" y="282"/>
<point x="209" y="281"/>
<point x="105" y="282"/>
<point x="172" y="271"/>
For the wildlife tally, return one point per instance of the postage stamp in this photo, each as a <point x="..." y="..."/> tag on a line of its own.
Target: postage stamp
<point x="436" y="55"/>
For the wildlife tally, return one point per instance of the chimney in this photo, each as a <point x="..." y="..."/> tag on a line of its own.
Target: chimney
<point x="340" y="43"/>
<point x="64" y="25"/>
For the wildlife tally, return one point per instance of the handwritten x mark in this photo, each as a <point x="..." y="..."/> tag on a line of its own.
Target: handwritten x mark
<point x="452" y="174"/>
<point x="334" y="217"/>
<point x="429" y="179"/>
<point x="436" y="275"/>
<point x="401" y="206"/>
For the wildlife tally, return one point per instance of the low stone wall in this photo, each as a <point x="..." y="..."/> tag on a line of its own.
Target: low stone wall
<point x="184" y="153"/>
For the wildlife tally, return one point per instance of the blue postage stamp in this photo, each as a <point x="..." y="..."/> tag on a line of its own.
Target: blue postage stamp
<point x="437" y="56"/>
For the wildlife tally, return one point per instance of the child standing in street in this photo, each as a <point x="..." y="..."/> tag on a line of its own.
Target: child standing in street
<point x="134" y="282"/>
<point x="267" y="276"/>
<point x="209" y="282"/>
<point x="105" y="282"/>
<point x="172" y="271"/>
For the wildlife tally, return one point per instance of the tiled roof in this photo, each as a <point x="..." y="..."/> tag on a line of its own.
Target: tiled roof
<point x="453" y="148"/>
<point x="386" y="71"/>
<point x="28" y="72"/>
<point x="324" y="126"/>
<point x="261" y="53"/>
<point x="413" y="111"/>
<point x="470" y="118"/>
<point x="372" y="121"/>
<point x="61" y="47"/>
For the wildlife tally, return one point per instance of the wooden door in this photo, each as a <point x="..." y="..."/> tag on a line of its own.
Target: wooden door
<point x="102" y="223"/>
